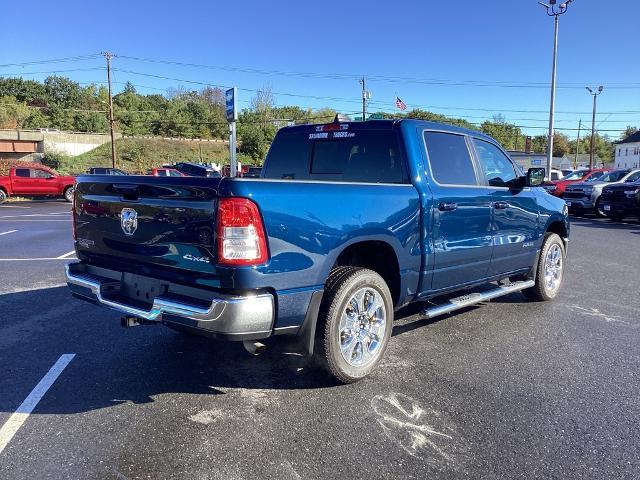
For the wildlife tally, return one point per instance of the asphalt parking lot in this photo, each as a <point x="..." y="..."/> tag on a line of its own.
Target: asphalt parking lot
<point x="510" y="389"/>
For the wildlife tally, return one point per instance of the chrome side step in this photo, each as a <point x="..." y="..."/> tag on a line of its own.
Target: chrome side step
<point x="474" y="298"/>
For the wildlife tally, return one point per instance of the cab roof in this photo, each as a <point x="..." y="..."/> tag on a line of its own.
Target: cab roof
<point x="388" y="124"/>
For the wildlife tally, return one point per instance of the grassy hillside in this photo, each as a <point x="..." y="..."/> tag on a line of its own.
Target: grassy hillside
<point x="140" y="154"/>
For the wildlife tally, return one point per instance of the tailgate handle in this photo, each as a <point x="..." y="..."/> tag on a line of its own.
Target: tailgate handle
<point x="129" y="192"/>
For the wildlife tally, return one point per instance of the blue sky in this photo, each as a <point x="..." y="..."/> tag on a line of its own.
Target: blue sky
<point x="431" y="46"/>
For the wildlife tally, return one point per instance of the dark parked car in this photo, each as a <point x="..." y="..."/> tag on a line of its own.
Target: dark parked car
<point x="585" y="197"/>
<point x="106" y="171"/>
<point x="621" y="200"/>
<point x="195" y="170"/>
<point x="348" y="223"/>
<point x="253" y="172"/>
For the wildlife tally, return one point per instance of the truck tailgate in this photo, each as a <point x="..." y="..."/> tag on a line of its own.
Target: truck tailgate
<point x="166" y="222"/>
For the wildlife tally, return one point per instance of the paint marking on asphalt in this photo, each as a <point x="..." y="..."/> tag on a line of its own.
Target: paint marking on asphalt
<point x="39" y="220"/>
<point x="32" y="289"/>
<point x="7" y="233"/>
<point x="13" y="206"/>
<point x="35" y="215"/>
<point x="65" y="255"/>
<point x="35" y="259"/>
<point x="17" y="419"/>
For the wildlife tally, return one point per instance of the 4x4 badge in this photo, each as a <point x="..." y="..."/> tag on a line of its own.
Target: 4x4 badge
<point x="129" y="221"/>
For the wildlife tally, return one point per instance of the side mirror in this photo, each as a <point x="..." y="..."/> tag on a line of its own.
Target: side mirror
<point x="535" y="177"/>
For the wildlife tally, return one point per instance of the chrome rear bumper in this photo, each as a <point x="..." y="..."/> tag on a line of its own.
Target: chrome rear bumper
<point x="233" y="316"/>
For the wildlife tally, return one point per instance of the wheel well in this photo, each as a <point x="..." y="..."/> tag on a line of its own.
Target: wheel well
<point x="559" y="228"/>
<point x="377" y="256"/>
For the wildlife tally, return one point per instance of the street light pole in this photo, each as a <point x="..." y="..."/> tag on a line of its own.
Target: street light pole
<point x="593" y="121"/>
<point x="553" y="12"/>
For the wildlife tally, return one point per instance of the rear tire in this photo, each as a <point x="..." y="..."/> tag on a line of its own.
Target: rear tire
<point x="549" y="270"/>
<point x="3" y="196"/>
<point x="354" y="323"/>
<point x="68" y="194"/>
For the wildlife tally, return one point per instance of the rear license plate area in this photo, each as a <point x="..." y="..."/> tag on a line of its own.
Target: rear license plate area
<point x="142" y="289"/>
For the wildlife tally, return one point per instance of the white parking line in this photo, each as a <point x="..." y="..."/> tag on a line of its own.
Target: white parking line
<point x="17" y="419"/>
<point x="66" y="255"/>
<point x="13" y="206"/>
<point x="36" y="215"/>
<point x="35" y="259"/>
<point x="7" y="233"/>
<point x="39" y="220"/>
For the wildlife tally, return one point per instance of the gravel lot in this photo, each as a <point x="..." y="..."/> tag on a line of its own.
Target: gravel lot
<point x="510" y="389"/>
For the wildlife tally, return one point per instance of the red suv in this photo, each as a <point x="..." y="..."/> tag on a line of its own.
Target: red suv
<point x="557" y="187"/>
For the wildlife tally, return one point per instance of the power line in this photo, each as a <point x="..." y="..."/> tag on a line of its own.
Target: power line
<point x="317" y="97"/>
<point x="19" y="74"/>
<point x="52" y="60"/>
<point x="379" y="78"/>
<point x="351" y="100"/>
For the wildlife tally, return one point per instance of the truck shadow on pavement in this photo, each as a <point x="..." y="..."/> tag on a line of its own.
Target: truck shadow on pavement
<point x="115" y="365"/>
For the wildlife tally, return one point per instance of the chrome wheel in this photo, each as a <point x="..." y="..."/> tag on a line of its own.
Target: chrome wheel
<point x="362" y="327"/>
<point x="68" y="194"/>
<point x="3" y="196"/>
<point x="553" y="268"/>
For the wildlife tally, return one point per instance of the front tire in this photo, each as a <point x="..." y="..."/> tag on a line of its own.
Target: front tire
<point x="549" y="270"/>
<point x="354" y="324"/>
<point x="599" y="212"/>
<point x="68" y="194"/>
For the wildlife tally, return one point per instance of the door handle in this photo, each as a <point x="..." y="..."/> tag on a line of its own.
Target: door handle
<point x="447" y="206"/>
<point x="501" y="205"/>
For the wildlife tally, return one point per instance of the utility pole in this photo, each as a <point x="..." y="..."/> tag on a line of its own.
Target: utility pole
<point x="364" y="99"/>
<point x="552" y="12"/>
<point x="109" y="56"/>
<point x="575" y="161"/>
<point x="593" y="121"/>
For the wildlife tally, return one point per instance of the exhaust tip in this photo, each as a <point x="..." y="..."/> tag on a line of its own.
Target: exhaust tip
<point x="253" y="347"/>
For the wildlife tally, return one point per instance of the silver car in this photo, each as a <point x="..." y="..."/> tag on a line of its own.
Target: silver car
<point x="584" y="197"/>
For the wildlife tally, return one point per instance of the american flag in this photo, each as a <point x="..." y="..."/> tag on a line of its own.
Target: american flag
<point x="400" y="104"/>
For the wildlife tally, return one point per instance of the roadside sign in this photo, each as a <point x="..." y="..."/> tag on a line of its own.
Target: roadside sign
<point x="231" y="108"/>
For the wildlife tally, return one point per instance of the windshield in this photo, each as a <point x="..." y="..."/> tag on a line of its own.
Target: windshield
<point x="614" y="176"/>
<point x="595" y="176"/>
<point x="575" y="176"/>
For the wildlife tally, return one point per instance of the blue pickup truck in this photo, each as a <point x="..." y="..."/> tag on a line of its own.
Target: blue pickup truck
<point x="349" y="222"/>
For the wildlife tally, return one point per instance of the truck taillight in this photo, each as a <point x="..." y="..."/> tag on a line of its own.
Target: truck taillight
<point x="241" y="237"/>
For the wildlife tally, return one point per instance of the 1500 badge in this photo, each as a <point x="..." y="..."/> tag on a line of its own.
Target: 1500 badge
<point x="192" y="258"/>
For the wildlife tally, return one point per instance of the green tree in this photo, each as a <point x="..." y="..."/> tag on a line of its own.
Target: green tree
<point x="505" y="133"/>
<point x="12" y="112"/>
<point x="628" y="132"/>
<point x="561" y="145"/>
<point x="252" y="141"/>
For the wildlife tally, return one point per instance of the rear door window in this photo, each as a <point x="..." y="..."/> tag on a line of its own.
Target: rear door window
<point x="22" y="172"/>
<point x="449" y="159"/>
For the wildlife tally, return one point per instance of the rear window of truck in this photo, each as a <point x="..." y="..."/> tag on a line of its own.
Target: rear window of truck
<point x="367" y="156"/>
